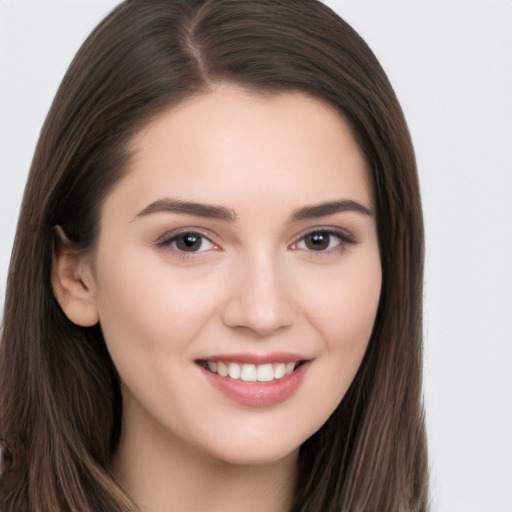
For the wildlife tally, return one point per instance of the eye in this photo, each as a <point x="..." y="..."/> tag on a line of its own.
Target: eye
<point x="188" y="241"/>
<point x="322" y="240"/>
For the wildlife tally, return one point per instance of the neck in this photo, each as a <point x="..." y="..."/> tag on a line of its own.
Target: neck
<point x="163" y="474"/>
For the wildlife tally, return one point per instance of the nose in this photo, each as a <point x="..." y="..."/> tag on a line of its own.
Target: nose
<point x="259" y="299"/>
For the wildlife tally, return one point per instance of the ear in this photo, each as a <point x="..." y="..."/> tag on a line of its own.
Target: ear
<point x="73" y="281"/>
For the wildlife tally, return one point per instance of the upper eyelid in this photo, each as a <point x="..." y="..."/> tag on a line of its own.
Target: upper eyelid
<point x="172" y="234"/>
<point x="168" y="236"/>
<point x="341" y="232"/>
<point x="167" y="242"/>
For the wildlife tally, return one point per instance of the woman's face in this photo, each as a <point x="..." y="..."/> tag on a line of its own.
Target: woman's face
<point x="242" y="240"/>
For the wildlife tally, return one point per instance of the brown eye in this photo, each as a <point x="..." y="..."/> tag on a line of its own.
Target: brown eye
<point x="318" y="241"/>
<point x="323" y="240"/>
<point x="188" y="242"/>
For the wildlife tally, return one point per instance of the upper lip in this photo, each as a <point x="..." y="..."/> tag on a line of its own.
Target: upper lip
<point x="256" y="358"/>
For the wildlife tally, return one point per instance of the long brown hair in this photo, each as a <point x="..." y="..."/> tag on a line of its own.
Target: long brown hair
<point x="60" y="403"/>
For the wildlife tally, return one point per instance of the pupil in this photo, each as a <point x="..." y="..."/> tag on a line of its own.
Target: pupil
<point x="189" y="242"/>
<point x="318" y="241"/>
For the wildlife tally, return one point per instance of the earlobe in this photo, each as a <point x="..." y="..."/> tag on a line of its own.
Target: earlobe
<point x="73" y="282"/>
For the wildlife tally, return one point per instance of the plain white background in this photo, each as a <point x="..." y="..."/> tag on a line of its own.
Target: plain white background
<point x="450" y="64"/>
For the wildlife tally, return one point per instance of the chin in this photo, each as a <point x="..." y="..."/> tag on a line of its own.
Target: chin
<point x="256" y="455"/>
<point x="260" y="448"/>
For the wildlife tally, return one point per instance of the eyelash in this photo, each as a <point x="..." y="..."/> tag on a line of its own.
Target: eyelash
<point x="342" y="237"/>
<point x="171" y="240"/>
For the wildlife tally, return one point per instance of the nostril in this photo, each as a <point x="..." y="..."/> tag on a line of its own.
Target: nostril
<point x="259" y="301"/>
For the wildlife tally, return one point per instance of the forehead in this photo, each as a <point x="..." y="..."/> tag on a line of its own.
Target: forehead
<point x="281" y="142"/>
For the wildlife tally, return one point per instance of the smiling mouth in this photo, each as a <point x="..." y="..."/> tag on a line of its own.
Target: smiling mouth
<point x="267" y="372"/>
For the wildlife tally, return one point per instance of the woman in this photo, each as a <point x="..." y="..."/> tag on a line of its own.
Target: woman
<point x="214" y="300"/>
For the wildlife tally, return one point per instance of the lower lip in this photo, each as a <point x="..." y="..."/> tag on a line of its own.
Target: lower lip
<point x="258" y="394"/>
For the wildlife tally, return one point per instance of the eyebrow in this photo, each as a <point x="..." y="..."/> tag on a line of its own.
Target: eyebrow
<point x="330" y="208"/>
<point x="189" y="208"/>
<point x="169" y="205"/>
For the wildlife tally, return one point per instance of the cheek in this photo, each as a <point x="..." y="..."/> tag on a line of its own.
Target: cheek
<point x="343" y="311"/>
<point x="343" y="307"/>
<point x="357" y="308"/>
<point x="150" y="307"/>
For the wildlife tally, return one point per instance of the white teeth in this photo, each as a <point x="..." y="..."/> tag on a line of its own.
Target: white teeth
<point x="279" y="371"/>
<point x="251" y="373"/>
<point x="265" y="373"/>
<point x="289" y="368"/>
<point x="234" y="371"/>
<point x="222" y="369"/>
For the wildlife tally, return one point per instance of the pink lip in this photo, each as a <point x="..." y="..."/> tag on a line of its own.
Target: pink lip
<point x="257" y="394"/>
<point x="254" y="358"/>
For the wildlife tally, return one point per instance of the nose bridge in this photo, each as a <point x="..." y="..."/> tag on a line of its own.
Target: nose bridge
<point x="260" y="298"/>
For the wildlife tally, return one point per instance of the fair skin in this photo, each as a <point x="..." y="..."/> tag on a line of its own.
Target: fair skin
<point x="210" y="253"/>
